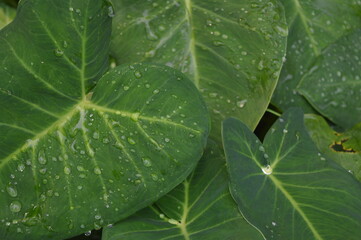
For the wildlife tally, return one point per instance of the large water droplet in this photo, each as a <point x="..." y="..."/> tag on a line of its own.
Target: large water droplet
<point x="12" y="191"/>
<point x="267" y="170"/>
<point x="15" y="206"/>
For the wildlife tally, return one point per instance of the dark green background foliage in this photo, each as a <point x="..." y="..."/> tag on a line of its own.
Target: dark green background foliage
<point x="175" y="119"/>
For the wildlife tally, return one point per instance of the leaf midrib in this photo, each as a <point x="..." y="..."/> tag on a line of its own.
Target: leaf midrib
<point x="296" y="206"/>
<point x="304" y="20"/>
<point x="86" y="104"/>
<point x="192" y="43"/>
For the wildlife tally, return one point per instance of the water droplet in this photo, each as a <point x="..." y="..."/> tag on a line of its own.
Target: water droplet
<point x="156" y="91"/>
<point x="97" y="171"/>
<point x="282" y="30"/>
<point x="111" y="11"/>
<point x="96" y="135"/>
<point x="218" y="43"/>
<point x="173" y="221"/>
<point x="126" y="88"/>
<point x="65" y="44"/>
<point x="80" y="168"/>
<point x="131" y="141"/>
<point x="58" y="52"/>
<point x="21" y="167"/>
<point x="274" y="223"/>
<point x="137" y="74"/>
<point x="147" y="162"/>
<point x="242" y="103"/>
<point x="15" y="206"/>
<point x="285" y="131"/>
<point x="261" y="148"/>
<point x="267" y="170"/>
<point x="135" y="117"/>
<point x="12" y="191"/>
<point x="67" y="170"/>
<point x="167" y="140"/>
<point x="154" y="177"/>
<point x="41" y="157"/>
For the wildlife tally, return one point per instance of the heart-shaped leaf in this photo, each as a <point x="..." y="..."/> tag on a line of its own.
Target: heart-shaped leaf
<point x="286" y="188"/>
<point x="314" y="26"/>
<point x="333" y="86"/>
<point x="344" y="148"/>
<point x="200" y="208"/>
<point x="71" y="160"/>
<point x="7" y="14"/>
<point x="232" y="50"/>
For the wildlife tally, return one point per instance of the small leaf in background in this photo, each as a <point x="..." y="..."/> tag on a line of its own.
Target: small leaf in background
<point x="286" y="188"/>
<point x="200" y="208"/>
<point x="314" y="26"/>
<point x="231" y="50"/>
<point x="344" y="148"/>
<point x="73" y="160"/>
<point x="333" y="86"/>
<point x="7" y="14"/>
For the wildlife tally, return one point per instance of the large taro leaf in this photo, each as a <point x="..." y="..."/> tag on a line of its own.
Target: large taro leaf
<point x="333" y="86"/>
<point x="72" y="160"/>
<point x="344" y="148"/>
<point x="7" y="14"/>
<point x="231" y="49"/>
<point x="313" y="26"/>
<point x="200" y="208"/>
<point x="286" y="188"/>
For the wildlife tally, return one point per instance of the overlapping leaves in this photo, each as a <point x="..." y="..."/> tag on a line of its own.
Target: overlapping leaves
<point x="286" y="188"/>
<point x="75" y="157"/>
<point x="231" y="50"/>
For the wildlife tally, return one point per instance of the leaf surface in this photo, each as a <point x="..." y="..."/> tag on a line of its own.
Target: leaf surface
<point x="231" y="50"/>
<point x="200" y="208"/>
<point x="7" y="14"/>
<point x="286" y="188"/>
<point x="344" y="148"/>
<point x="313" y="27"/>
<point x="73" y="160"/>
<point x="333" y="86"/>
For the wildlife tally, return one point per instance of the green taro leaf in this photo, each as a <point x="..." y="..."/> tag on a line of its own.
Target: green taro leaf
<point x="286" y="188"/>
<point x="344" y="148"/>
<point x="231" y="50"/>
<point x="313" y="27"/>
<point x="333" y="86"/>
<point x="72" y="160"/>
<point x="7" y="14"/>
<point x="200" y="208"/>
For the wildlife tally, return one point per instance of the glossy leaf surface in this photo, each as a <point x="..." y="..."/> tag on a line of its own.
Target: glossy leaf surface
<point x="200" y="208"/>
<point x="333" y="86"/>
<point x="231" y="50"/>
<point x="313" y="27"/>
<point x="7" y="14"/>
<point x="71" y="160"/>
<point x="286" y="188"/>
<point x="344" y="148"/>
